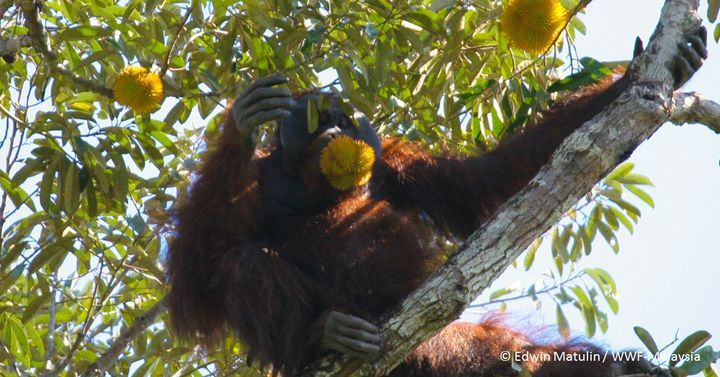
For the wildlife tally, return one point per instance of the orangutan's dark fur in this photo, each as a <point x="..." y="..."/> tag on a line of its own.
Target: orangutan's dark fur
<point x="243" y="262"/>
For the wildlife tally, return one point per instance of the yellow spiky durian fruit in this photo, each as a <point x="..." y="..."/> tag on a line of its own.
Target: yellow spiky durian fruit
<point x="347" y="163"/>
<point x="533" y="25"/>
<point x="138" y="88"/>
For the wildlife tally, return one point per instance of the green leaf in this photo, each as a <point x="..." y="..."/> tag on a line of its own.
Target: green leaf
<point x="35" y="340"/>
<point x="33" y="306"/>
<point x="707" y="356"/>
<point x="592" y="71"/>
<point x="576" y="23"/>
<point x="177" y="62"/>
<point x="179" y="110"/>
<point x="713" y="8"/>
<point x="256" y="48"/>
<point x="348" y="108"/>
<point x="30" y="168"/>
<point x="476" y="90"/>
<point x="43" y="257"/>
<point x="587" y="238"/>
<point x="101" y="177"/>
<point x="426" y="19"/>
<point x="22" y="351"/>
<point x="211" y="80"/>
<point x="532" y="251"/>
<point x="120" y="176"/>
<point x="716" y="34"/>
<point x="606" y="284"/>
<point x="609" y="236"/>
<point x="381" y="6"/>
<point x="501" y="292"/>
<point x="562" y="322"/>
<point x="602" y="320"/>
<point x="129" y="10"/>
<point x="644" y="196"/>
<point x="84" y="32"/>
<point x="589" y="316"/>
<point x="98" y="56"/>
<point x="152" y="151"/>
<point x="324" y="103"/>
<point x="572" y="82"/>
<point x="87" y="356"/>
<point x="165" y="141"/>
<point x="582" y="297"/>
<point x="8" y="337"/>
<point x="158" y="48"/>
<point x="136" y="154"/>
<point x="91" y="197"/>
<point x="558" y="264"/>
<point x="689" y="344"/>
<point x="17" y="195"/>
<point x="137" y="223"/>
<point x="313" y="117"/>
<point x="576" y="249"/>
<point x="92" y="155"/>
<point x="559" y="244"/>
<point x="634" y="179"/>
<point x="620" y="171"/>
<point x="619" y="215"/>
<point x="46" y="184"/>
<point x="70" y="197"/>
<point x="631" y="209"/>
<point x="610" y="218"/>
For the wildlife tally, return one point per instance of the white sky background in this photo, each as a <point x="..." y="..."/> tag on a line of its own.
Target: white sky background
<point x="667" y="272"/>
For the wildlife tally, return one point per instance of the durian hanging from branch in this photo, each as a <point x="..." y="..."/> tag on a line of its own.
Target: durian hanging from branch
<point x="533" y="25"/>
<point x="138" y="88"/>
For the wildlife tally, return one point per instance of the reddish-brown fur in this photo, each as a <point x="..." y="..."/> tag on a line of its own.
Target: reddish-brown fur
<point x="239" y="262"/>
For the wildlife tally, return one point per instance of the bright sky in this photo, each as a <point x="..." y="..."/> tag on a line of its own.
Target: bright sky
<point x="667" y="272"/>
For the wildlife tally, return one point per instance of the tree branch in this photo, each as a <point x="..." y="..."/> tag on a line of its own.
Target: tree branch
<point x="694" y="108"/>
<point x="108" y="359"/>
<point x="581" y="161"/>
<point x="35" y="29"/>
<point x="40" y="42"/>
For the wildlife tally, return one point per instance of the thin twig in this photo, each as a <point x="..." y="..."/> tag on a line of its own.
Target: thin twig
<point x="142" y="322"/>
<point x="11" y="116"/>
<point x="526" y="295"/>
<point x="50" y="350"/>
<point x="166" y="61"/>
